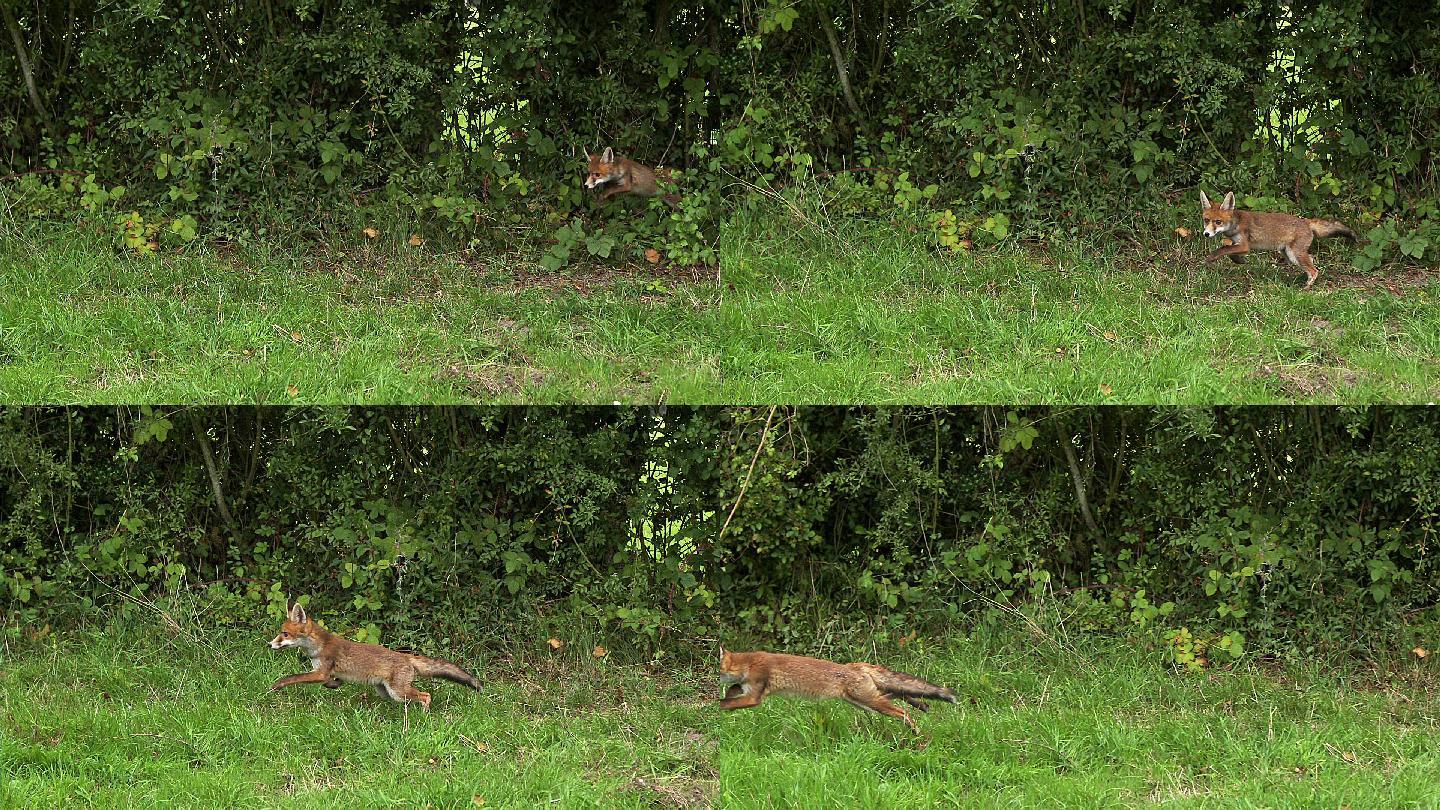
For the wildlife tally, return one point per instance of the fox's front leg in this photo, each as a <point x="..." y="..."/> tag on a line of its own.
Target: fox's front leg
<point x="304" y="677"/>
<point x="745" y="700"/>
<point x="1235" y="252"/>
<point x="617" y="187"/>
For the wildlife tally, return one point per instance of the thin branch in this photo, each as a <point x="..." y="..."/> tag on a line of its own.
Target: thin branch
<point x="1075" y="477"/>
<point x="216" y="486"/>
<point x="746" y="483"/>
<point x="25" y="71"/>
<point x="841" y="72"/>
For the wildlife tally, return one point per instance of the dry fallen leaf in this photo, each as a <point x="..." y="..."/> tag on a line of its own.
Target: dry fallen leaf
<point x="652" y="255"/>
<point x="1348" y="756"/>
<point x="477" y="800"/>
<point x="1420" y="652"/>
<point x="1106" y="390"/>
<point x="1109" y="335"/>
<point x="1183" y="231"/>
<point x="909" y="638"/>
<point x="555" y="643"/>
<point x="415" y="240"/>
<point x="295" y="336"/>
<point x="599" y="652"/>
<point x="371" y="232"/>
<point x="292" y="390"/>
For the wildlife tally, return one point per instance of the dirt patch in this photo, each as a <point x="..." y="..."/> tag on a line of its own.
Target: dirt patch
<point x="1306" y="380"/>
<point x="586" y="278"/>
<point x="492" y="379"/>
<point x="676" y="791"/>
<point x="1397" y="282"/>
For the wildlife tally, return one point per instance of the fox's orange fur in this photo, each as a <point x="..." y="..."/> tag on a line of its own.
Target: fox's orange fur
<point x="335" y="660"/>
<point x="754" y="675"/>
<point x="1253" y="230"/>
<point x="614" y="175"/>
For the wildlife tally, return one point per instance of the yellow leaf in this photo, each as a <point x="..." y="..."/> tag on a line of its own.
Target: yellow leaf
<point x="295" y="336"/>
<point x="652" y="255"/>
<point x="371" y="232"/>
<point x="1348" y="756"/>
<point x="555" y="643"/>
<point x="1105" y="389"/>
<point x="477" y="800"/>
<point x="292" y="390"/>
<point x="1183" y="231"/>
<point x="1109" y="335"/>
<point x="599" y="652"/>
<point x="1420" y="652"/>
<point x="415" y="240"/>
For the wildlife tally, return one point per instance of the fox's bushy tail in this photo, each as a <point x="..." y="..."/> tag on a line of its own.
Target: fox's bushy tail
<point x="436" y="668"/>
<point x="1329" y="227"/>
<point x="902" y="685"/>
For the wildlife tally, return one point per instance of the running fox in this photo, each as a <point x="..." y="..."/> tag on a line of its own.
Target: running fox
<point x="336" y="660"/>
<point x="620" y="175"/>
<point x="753" y="675"/>
<point x="1283" y="233"/>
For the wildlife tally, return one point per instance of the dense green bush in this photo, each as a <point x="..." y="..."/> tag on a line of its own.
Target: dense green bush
<point x="990" y="117"/>
<point x="1210" y="532"/>
<point x="465" y="118"/>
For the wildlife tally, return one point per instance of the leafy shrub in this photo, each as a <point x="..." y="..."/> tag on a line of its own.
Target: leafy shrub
<point x="1211" y="533"/>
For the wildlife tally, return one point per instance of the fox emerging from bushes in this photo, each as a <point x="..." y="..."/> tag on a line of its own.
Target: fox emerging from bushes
<point x="754" y="675"/>
<point x="1252" y="230"/>
<point x="337" y="660"/>
<point x="614" y="175"/>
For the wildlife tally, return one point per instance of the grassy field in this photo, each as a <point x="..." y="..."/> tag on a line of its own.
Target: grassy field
<point x="841" y="313"/>
<point x="147" y="719"/>
<point x="144" y="718"/>
<point x="372" y="323"/>
<point x="865" y="313"/>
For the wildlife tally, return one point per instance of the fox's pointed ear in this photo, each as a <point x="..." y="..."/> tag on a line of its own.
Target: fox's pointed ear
<point x="1229" y="203"/>
<point x="297" y="613"/>
<point x="609" y="156"/>
<point x="1204" y="201"/>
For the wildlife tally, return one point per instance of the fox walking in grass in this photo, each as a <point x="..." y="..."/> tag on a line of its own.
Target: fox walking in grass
<point x="1253" y="230"/>
<point x="614" y="175"/>
<point x="335" y="660"/>
<point x="754" y="675"/>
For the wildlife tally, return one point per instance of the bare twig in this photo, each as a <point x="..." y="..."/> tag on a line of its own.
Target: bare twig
<point x="746" y="483"/>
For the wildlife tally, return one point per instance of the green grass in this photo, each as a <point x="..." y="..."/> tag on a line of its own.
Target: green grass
<point x="136" y="716"/>
<point x="846" y="311"/>
<point x="147" y="719"/>
<point x="1100" y="729"/>
<point x="363" y="324"/>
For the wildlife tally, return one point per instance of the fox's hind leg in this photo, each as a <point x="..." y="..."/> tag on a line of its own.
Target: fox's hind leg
<point x="1300" y="257"/>
<point x="401" y="690"/>
<point x="876" y="702"/>
<point x="913" y="701"/>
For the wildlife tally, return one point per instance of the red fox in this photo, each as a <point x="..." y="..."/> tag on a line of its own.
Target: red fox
<point x="337" y="660"/>
<point x="1252" y="230"/>
<point x="620" y="175"/>
<point x="753" y="675"/>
